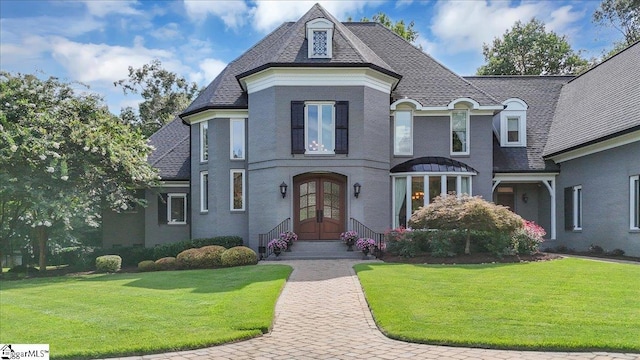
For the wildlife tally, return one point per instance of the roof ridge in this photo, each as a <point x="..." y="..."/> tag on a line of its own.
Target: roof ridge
<point x="170" y="150"/>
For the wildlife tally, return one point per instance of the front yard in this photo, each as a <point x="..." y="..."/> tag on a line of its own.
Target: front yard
<point x="122" y="314"/>
<point x="568" y="304"/>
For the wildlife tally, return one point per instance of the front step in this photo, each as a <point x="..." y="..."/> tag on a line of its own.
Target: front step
<point x="319" y="250"/>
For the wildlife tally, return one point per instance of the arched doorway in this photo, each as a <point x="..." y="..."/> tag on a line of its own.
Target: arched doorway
<point x="319" y="210"/>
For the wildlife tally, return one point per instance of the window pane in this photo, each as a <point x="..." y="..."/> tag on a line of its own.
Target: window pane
<point x="320" y="43"/>
<point x="578" y="207"/>
<point x="434" y="187"/>
<point x="459" y="131"/>
<point x="327" y="128"/>
<point x="399" y="208"/>
<point x="313" y="139"/>
<point x="637" y="202"/>
<point x="205" y="192"/>
<point x="513" y="127"/>
<point x="204" y="142"/>
<point x="417" y="193"/>
<point x="451" y="184"/>
<point x="465" y="187"/>
<point x="177" y="209"/>
<point x="403" y="144"/>
<point x="238" y="195"/>
<point x="237" y="140"/>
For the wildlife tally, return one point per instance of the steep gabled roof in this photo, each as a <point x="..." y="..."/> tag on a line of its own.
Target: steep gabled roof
<point x="172" y="151"/>
<point x="541" y="94"/>
<point x="599" y="104"/>
<point x="423" y="78"/>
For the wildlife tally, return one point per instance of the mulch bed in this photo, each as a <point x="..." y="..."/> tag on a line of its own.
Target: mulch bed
<point x="479" y="258"/>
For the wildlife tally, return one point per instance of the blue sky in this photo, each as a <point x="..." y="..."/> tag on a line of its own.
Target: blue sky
<point x="94" y="42"/>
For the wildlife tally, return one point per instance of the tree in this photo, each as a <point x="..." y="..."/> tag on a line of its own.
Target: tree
<point x="62" y="156"/>
<point x="468" y="214"/>
<point x="528" y="49"/>
<point x="165" y="95"/>
<point x="624" y="16"/>
<point x="399" y="27"/>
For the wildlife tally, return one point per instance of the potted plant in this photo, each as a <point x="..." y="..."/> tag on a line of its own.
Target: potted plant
<point x="289" y="237"/>
<point x="277" y="246"/>
<point x="365" y="245"/>
<point x="349" y="238"/>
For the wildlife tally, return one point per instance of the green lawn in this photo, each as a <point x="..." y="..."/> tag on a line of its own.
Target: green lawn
<point x="122" y="314"/>
<point x="568" y="304"/>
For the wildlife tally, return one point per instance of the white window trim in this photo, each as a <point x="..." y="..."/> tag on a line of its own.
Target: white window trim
<point x="505" y="132"/>
<point x="468" y="133"/>
<point x="577" y="210"/>
<point x="425" y="175"/>
<point x="231" y="137"/>
<point x="170" y="196"/>
<point x="514" y="108"/>
<point x="306" y="126"/>
<point x="410" y="153"/>
<point x="244" y="189"/>
<point x="204" y="153"/>
<point x="319" y="24"/>
<point x="632" y="197"/>
<point x="204" y="200"/>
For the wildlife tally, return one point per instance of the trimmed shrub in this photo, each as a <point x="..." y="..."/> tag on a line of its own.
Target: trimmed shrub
<point x="596" y="249"/>
<point x="167" y="263"/>
<point x="238" y="256"/>
<point x="108" y="263"/>
<point x="188" y="259"/>
<point x="147" y="265"/>
<point x="173" y="249"/>
<point x="211" y="256"/>
<point x="616" y="252"/>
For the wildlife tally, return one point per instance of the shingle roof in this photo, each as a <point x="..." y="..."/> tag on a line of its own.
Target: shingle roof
<point x="366" y="44"/>
<point x="541" y="94"/>
<point x="172" y="152"/>
<point x="600" y="103"/>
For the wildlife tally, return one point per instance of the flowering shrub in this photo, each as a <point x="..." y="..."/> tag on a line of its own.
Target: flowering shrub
<point x="278" y="243"/>
<point x="397" y="234"/>
<point x="365" y="244"/>
<point x="527" y="239"/>
<point x="349" y="236"/>
<point x="289" y="236"/>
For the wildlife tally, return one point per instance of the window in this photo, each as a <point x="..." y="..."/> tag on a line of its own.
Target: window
<point x="459" y="132"/>
<point x="237" y="190"/>
<point x="403" y="133"/>
<point x="634" y="202"/>
<point x="420" y="190"/>
<point x="320" y="43"/>
<point x="319" y="38"/>
<point x="237" y="139"/>
<point x="176" y="209"/>
<point x="573" y="208"/>
<point x="204" y="141"/>
<point x="320" y="128"/>
<point x="204" y="191"/>
<point x="513" y="130"/>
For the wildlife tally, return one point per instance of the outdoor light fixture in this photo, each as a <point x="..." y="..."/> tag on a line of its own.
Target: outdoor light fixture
<point x="356" y="189"/>
<point x="525" y="198"/>
<point x="283" y="189"/>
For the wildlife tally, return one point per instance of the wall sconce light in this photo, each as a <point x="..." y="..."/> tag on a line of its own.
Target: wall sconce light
<point x="525" y="198"/>
<point x="283" y="189"/>
<point x="356" y="189"/>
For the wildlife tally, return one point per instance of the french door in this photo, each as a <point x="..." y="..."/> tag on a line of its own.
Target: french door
<point x="319" y="206"/>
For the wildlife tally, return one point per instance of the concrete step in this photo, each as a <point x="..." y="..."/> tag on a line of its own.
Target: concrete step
<point x="319" y="249"/>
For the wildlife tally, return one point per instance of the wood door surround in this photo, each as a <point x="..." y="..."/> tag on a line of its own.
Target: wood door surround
<point x="319" y="206"/>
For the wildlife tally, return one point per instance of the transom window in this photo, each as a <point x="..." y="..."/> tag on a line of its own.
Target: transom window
<point x="403" y="133"/>
<point x="177" y="209"/>
<point x="319" y="128"/>
<point x="237" y="139"/>
<point x="634" y="202"/>
<point x="418" y="190"/>
<point x="460" y="132"/>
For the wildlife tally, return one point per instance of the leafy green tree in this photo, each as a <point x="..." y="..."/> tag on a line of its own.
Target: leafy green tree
<point x="528" y="49"/>
<point x="62" y="157"/>
<point x="399" y="27"/>
<point x="164" y="93"/>
<point x="468" y="214"/>
<point x="622" y="15"/>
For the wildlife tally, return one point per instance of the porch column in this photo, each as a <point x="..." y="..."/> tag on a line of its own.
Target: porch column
<point x="551" y="186"/>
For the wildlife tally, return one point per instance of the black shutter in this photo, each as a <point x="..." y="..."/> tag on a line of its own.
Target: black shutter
<point x="342" y="127"/>
<point x="568" y="208"/>
<point x="297" y="127"/>
<point x="162" y="208"/>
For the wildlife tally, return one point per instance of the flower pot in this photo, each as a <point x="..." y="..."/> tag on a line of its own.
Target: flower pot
<point x="365" y="253"/>
<point x="277" y="251"/>
<point x="350" y="244"/>
<point x="289" y="244"/>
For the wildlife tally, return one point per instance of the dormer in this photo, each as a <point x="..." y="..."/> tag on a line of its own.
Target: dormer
<point x="511" y="123"/>
<point x="320" y="38"/>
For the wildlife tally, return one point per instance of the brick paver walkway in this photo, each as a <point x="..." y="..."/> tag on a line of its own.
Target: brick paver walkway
<point x="322" y="314"/>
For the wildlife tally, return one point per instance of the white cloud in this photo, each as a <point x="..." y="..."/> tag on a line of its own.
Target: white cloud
<point x="167" y="32"/>
<point x="562" y="19"/>
<point x="105" y="7"/>
<point x="210" y="68"/>
<point x="233" y="13"/>
<point x="48" y="25"/>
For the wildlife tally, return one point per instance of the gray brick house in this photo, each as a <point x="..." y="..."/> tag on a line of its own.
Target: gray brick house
<point x="323" y="124"/>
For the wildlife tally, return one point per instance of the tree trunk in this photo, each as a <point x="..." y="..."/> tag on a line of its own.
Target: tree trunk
<point x="467" y="245"/>
<point x="42" y="237"/>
